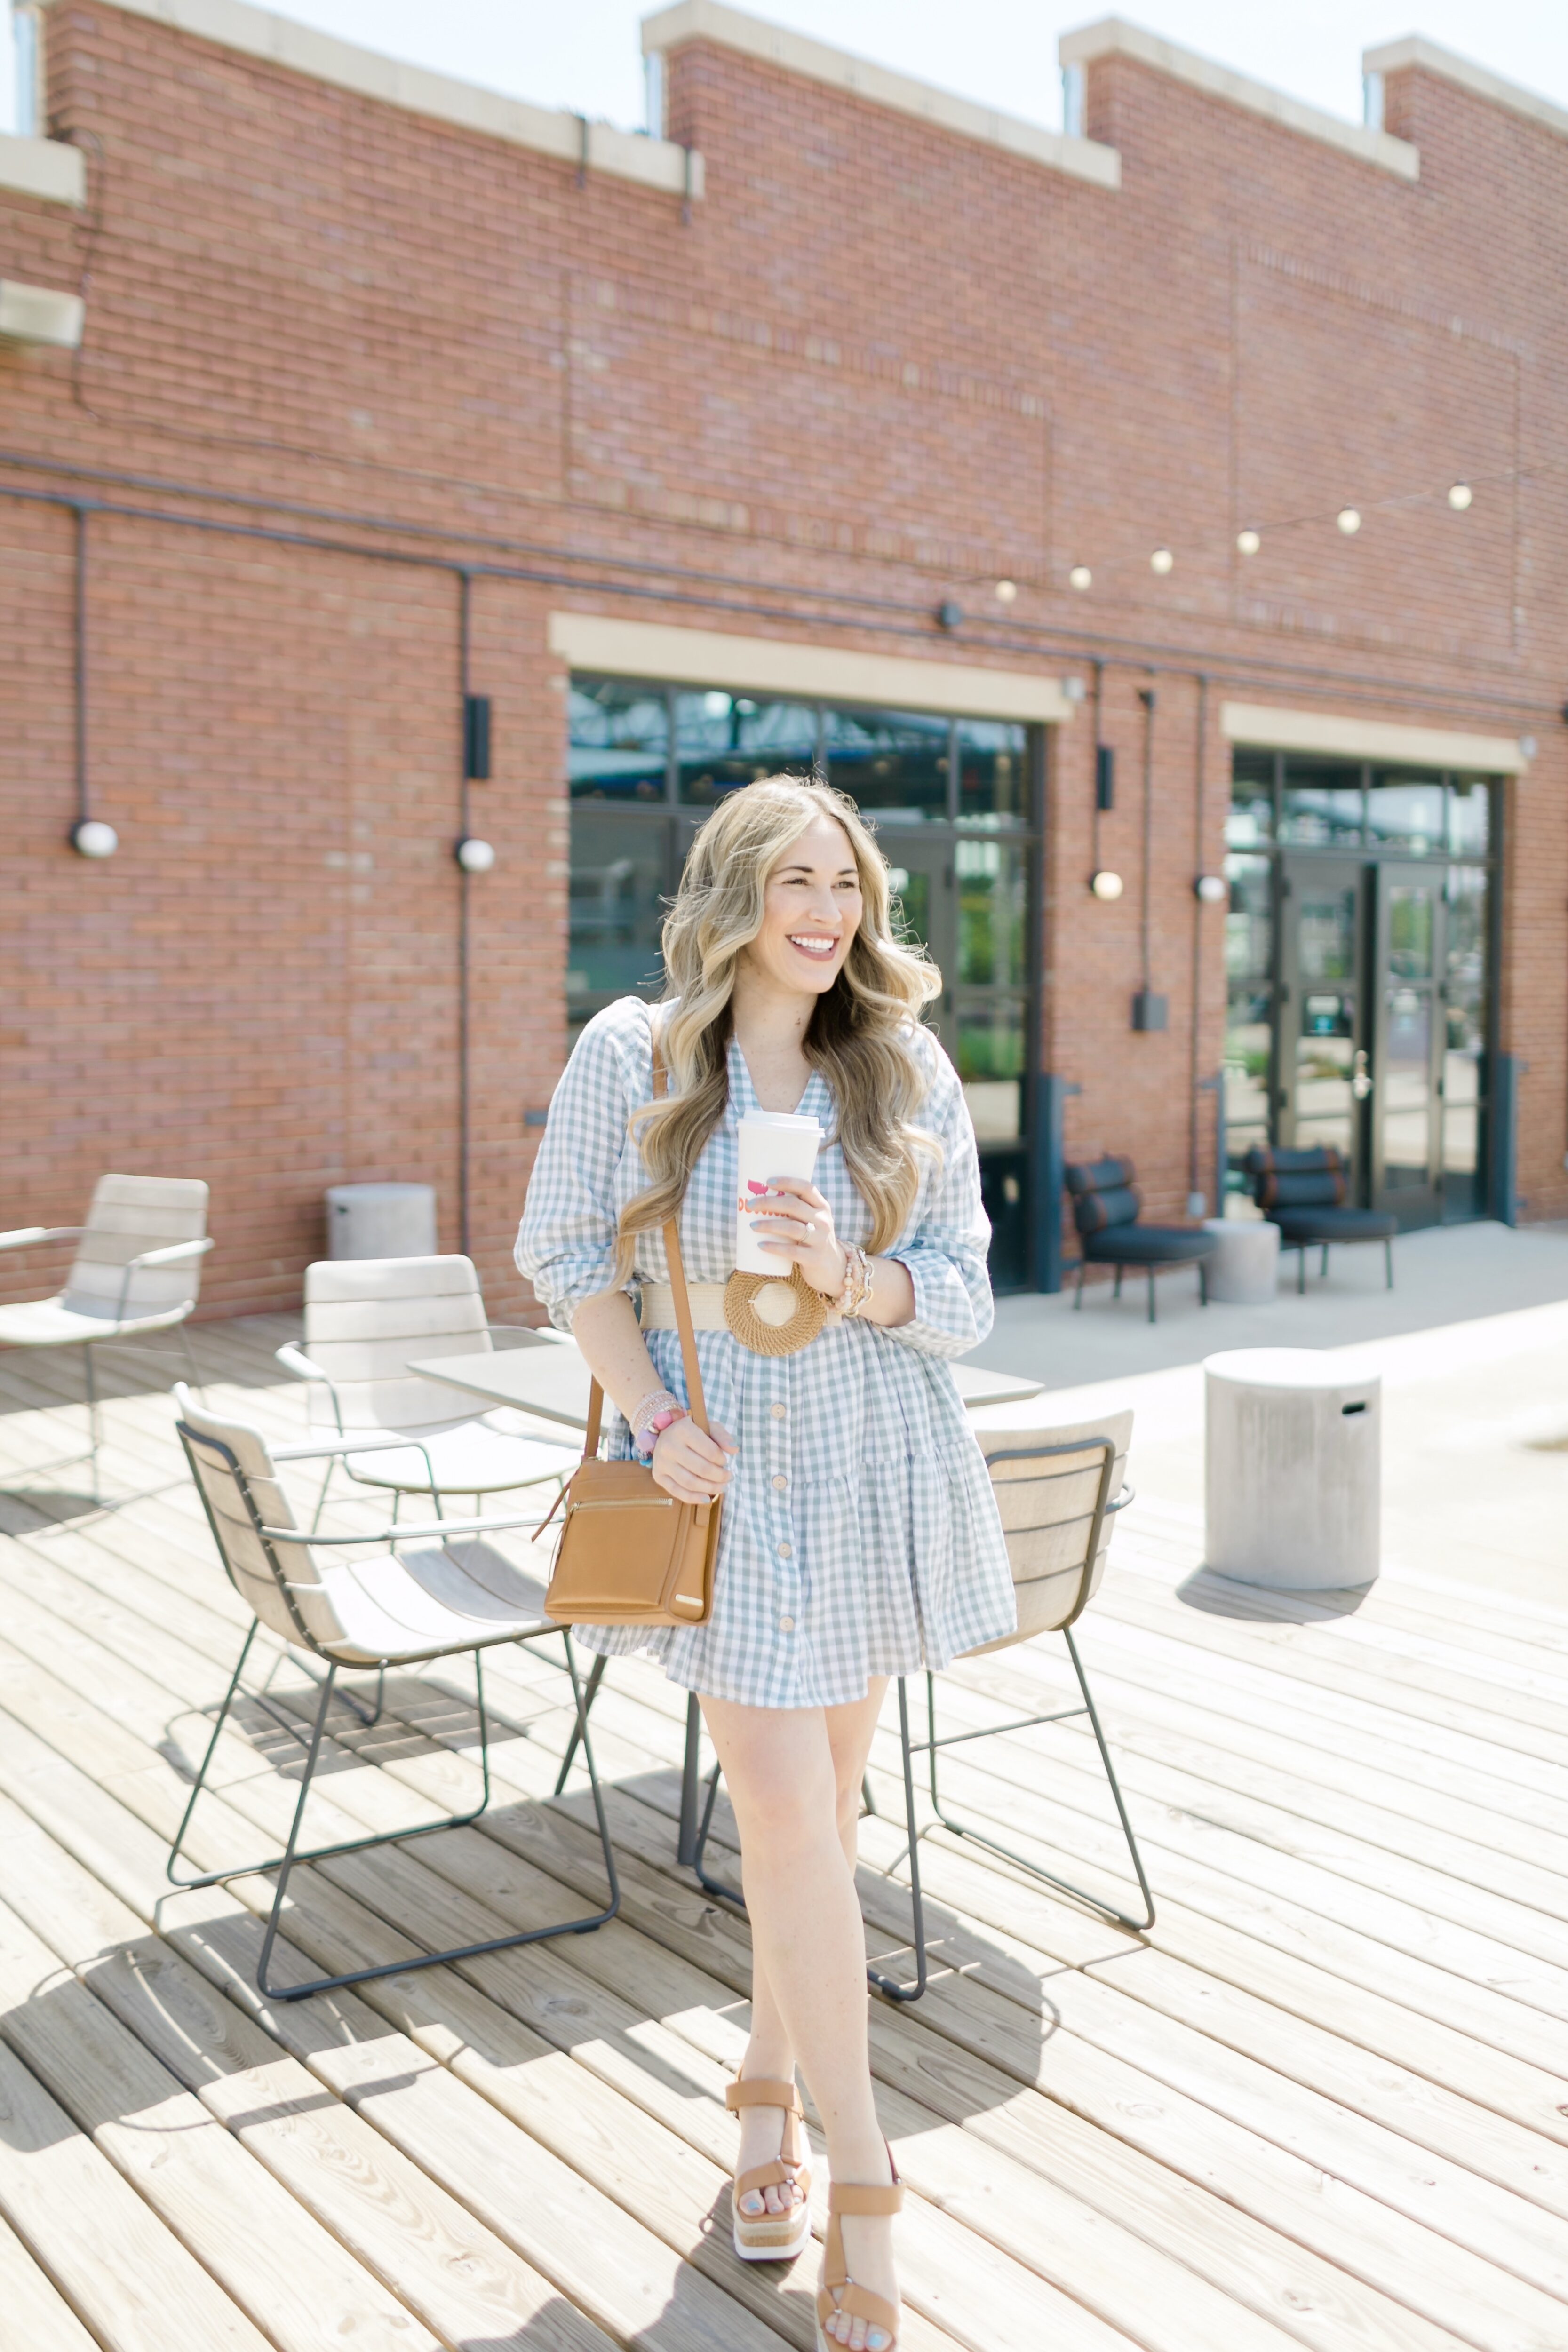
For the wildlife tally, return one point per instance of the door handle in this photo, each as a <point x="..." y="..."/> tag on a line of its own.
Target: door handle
<point x="1361" y="1076"/>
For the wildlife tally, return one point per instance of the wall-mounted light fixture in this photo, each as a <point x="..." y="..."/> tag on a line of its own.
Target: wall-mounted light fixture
<point x="1081" y="577"/>
<point x="1006" y="591"/>
<point x="474" y="855"/>
<point x="1104" y="776"/>
<point x="1161" y="561"/>
<point x="1213" y="889"/>
<point x="1106" y="885"/>
<point x="1248" y="542"/>
<point x="1348" y="520"/>
<point x="1073" y="690"/>
<point x="1460" y="496"/>
<point x="90" y="837"/>
<point x="477" y="737"/>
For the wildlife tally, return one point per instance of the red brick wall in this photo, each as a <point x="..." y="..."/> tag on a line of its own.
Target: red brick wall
<point x="880" y="361"/>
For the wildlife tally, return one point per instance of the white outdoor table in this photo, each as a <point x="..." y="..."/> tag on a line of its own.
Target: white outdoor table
<point x="549" y="1378"/>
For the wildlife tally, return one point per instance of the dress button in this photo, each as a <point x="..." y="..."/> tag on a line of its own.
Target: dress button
<point x="779" y="1484"/>
<point x="786" y="1624"/>
<point x="786" y="1551"/>
<point x="778" y="1410"/>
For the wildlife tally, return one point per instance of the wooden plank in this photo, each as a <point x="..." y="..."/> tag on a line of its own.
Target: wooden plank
<point x="123" y="2271"/>
<point x="262" y="2248"/>
<point x="37" y="2314"/>
<point x="454" y="2275"/>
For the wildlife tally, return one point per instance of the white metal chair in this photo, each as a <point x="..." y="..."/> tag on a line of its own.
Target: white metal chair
<point x="1058" y="1491"/>
<point x="137" y="1271"/>
<point x="365" y="1318"/>
<point x="403" y="1596"/>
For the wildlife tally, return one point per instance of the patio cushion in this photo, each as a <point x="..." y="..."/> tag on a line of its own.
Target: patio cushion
<point x="1310" y="1225"/>
<point x="1107" y="1175"/>
<point x="1094" y="1211"/>
<point x="1149" y="1244"/>
<point x="1310" y="1177"/>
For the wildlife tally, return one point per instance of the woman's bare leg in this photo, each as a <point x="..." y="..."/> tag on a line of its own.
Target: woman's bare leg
<point x="793" y="1777"/>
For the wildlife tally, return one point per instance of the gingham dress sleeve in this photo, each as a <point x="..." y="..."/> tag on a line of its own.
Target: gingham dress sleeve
<point x="567" y="1244"/>
<point x="945" y="1246"/>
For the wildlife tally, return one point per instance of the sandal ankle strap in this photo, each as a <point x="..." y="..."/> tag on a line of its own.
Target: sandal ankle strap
<point x="759" y="2092"/>
<point x="860" y="2197"/>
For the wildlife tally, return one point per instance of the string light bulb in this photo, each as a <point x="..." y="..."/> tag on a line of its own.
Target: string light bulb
<point x="1079" y="577"/>
<point x="1248" y="542"/>
<point x="1105" y="884"/>
<point x="1161" y="561"/>
<point x="1460" y="496"/>
<point x="1348" y="522"/>
<point x="1006" y="590"/>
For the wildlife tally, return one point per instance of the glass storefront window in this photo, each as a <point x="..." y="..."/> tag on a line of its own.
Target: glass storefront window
<point x="892" y="763"/>
<point x="991" y="1057"/>
<point x="724" y="741"/>
<point x="993" y="915"/>
<point x="618" y="740"/>
<point x="1321" y="804"/>
<point x="1469" y="816"/>
<point x="1249" y="997"/>
<point x="993" y="772"/>
<point x="617" y="892"/>
<point x="1405" y="813"/>
<point x="1250" y="825"/>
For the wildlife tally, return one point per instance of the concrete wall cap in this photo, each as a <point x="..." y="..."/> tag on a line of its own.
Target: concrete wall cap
<point x="1113" y="37"/>
<point x="753" y="36"/>
<point x="601" y="643"/>
<point x="1393" y="57"/>
<point x="48" y="168"/>
<point x="1370" y="739"/>
<point x="37" y="314"/>
<point x="550" y="131"/>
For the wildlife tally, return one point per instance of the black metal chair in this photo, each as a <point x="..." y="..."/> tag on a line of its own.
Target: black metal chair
<point x="1106" y="1202"/>
<point x="1058" y="1491"/>
<point x="1303" y="1192"/>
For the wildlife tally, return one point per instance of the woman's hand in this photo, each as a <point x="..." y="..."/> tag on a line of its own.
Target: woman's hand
<point x="798" y="1228"/>
<point x="692" y="1467"/>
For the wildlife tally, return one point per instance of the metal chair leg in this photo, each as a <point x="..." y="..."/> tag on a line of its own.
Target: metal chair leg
<point x="595" y="1676"/>
<point x="867" y="1801"/>
<point x="1116" y="1291"/>
<point x="1077" y="1296"/>
<point x="1203" y="1283"/>
<point x="1388" y="1263"/>
<point x="95" y="1433"/>
<point x="1301" y="1270"/>
<point x="892" y="1987"/>
<point x="1323" y="1269"/>
<point x="1150" y="1293"/>
<point x="979" y="1837"/>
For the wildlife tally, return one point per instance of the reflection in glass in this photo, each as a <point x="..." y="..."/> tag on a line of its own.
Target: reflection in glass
<point x="1251" y="824"/>
<point x="617" y="883"/>
<point x="1405" y="813"/>
<point x="993" y="914"/>
<point x="1325" y="1011"/>
<point x="1406" y="1088"/>
<point x="1470" y="817"/>
<point x="618" y="740"/>
<point x="1321" y="804"/>
<point x="990" y="1057"/>
<point x="1249" y="997"/>
<point x="1464" y="1043"/>
<point x="724" y="741"/>
<point x="1410" y="915"/>
<point x="893" y="764"/>
<point x="993" y="772"/>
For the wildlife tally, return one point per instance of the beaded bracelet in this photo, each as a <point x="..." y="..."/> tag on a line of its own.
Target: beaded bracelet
<point x="656" y="1410"/>
<point x="856" y="1289"/>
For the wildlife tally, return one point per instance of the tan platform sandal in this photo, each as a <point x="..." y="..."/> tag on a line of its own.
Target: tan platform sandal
<point x="838" y="2295"/>
<point x="773" y="2237"/>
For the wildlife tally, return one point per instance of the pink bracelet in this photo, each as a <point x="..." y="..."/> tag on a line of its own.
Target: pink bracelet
<point x="647" y="1437"/>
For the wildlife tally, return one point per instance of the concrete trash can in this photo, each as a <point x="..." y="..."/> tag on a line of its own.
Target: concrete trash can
<point x="1244" y="1271"/>
<point x="1292" y="1468"/>
<point x="381" y="1220"/>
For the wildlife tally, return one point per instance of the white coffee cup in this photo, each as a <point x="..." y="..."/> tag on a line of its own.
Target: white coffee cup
<point x="771" y="1143"/>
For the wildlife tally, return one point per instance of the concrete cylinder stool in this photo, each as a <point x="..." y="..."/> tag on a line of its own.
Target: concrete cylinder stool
<point x="1292" y="1468"/>
<point x="1245" y="1269"/>
<point x="381" y="1220"/>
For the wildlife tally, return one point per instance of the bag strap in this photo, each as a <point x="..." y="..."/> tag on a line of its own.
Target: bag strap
<point x="682" y="1305"/>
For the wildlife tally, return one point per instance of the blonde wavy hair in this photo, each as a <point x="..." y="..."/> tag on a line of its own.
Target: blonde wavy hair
<point x="859" y="1035"/>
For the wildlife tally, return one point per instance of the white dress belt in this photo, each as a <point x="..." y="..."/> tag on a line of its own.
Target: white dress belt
<point x="707" y="1306"/>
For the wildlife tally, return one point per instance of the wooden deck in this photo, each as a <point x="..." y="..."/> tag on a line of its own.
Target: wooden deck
<point x="1324" y="2103"/>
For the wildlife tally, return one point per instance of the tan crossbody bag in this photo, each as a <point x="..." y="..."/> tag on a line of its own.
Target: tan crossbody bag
<point x="628" y="1553"/>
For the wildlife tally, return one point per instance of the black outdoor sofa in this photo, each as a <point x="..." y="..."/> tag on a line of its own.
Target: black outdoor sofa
<point x="1303" y="1192"/>
<point x="1105" y="1206"/>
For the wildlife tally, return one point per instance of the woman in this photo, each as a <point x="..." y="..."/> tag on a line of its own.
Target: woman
<point x="859" y="1537"/>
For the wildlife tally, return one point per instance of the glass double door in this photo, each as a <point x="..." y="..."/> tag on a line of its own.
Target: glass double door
<point x="1381" y="1026"/>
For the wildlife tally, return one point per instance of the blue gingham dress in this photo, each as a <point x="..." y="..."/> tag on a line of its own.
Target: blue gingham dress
<point x="859" y="1536"/>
